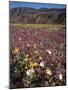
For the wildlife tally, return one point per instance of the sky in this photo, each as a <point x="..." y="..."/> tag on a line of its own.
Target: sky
<point x="13" y="4"/>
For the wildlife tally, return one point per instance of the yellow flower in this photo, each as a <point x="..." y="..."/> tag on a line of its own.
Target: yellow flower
<point x="31" y="64"/>
<point x="26" y="59"/>
<point x="16" y="50"/>
<point x="35" y="64"/>
<point x="36" y="51"/>
<point x="48" y="71"/>
<point x="30" y="59"/>
<point x="40" y="58"/>
<point x="27" y="55"/>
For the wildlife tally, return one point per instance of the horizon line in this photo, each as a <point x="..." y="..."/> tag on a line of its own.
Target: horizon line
<point x="34" y="8"/>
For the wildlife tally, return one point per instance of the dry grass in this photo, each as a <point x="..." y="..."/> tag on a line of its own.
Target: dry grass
<point x="51" y="26"/>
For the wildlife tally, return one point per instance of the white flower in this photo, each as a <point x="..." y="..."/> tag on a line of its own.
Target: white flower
<point x="42" y="64"/>
<point x="20" y="38"/>
<point x="49" y="52"/>
<point x="30" y="71"/>
<point x="60" y="76"/>
<point x="28" y="44"/>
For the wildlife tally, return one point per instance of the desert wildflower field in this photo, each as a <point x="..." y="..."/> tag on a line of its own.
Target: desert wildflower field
<point x="37" y="55"/>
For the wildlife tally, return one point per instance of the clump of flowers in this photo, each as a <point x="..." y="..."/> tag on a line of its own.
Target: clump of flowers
<point x="33" y="67"/>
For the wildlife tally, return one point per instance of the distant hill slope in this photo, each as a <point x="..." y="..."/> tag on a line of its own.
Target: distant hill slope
<point x="42" y="15"/>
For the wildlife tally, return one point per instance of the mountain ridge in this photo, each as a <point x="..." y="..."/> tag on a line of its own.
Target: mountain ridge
<point x="42" y="15"/>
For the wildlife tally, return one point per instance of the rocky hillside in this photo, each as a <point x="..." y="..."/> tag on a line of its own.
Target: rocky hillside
<point x="42" y="15"/>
